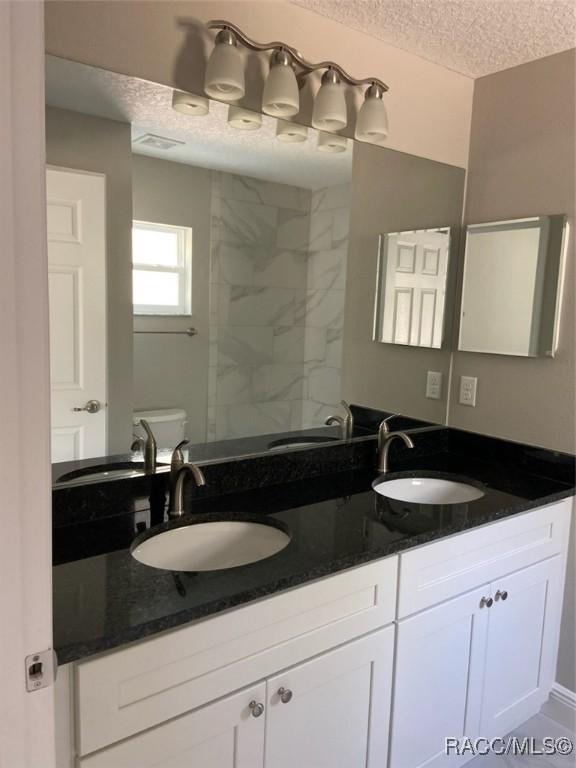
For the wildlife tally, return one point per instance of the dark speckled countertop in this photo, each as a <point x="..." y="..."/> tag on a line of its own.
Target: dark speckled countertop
<point x="103" y="598"/>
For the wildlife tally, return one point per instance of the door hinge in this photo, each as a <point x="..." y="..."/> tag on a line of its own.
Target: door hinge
<point x="41" y="670"/>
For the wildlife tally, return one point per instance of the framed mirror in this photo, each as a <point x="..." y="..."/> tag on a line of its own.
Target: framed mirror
<point x="411" y="281"/>
<point x="512" y="286"/>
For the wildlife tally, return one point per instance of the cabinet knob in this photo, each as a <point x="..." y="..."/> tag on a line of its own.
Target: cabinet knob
<point x="285" y="695"/>
<point x="501" y="595"/>
<point x="257" y="708"/>
<point x="486" y="602"/>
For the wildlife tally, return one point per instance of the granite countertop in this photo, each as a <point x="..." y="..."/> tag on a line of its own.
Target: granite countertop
<point x="104" y="598"/>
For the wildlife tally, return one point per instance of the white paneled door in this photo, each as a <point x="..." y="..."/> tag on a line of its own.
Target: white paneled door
<point x="415" y="288"/>
<point x="77" y="281"/>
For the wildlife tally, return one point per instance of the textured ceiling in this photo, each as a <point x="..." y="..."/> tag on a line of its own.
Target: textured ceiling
<point x="207" y="141"/>
<point x="474" y="37"/>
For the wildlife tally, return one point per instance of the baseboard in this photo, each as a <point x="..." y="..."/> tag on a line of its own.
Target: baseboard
<point x="561" y="706"/>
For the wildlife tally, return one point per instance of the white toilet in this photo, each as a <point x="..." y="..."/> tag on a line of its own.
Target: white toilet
<point x="167" y="424"/>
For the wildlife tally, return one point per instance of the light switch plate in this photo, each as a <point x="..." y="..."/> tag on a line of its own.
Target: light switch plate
<point x="434" y="385"/>
<point x="468" y="386"/>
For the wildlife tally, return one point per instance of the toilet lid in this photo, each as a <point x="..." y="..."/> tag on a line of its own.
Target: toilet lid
<point x="162" y="414"/>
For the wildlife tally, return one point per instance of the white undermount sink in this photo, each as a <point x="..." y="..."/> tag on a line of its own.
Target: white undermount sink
<point x="211" y="546"/>
<point x="427" y="490"/>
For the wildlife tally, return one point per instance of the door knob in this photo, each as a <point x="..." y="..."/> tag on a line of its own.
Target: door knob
<point x="92" y="406"/>
<point x="501" y="595"/>
<point x="486" y="601"/>
<point x="285" y="695"/>
<point x="256" y="708"/>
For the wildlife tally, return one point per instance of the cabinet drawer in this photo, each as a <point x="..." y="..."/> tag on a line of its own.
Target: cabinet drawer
<point x="464" y="561"/>
<point x="144" y="684"/>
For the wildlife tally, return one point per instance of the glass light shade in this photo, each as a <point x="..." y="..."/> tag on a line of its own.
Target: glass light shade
<point x="190" y="103"/>
<point x="372" y="121"/>
<point x="329" y="113"/>
<point x="329" y="142"/>
<point x="291" y="133"/>
<point x="281" y="97"/>
<point x="244" y="119"/>
<point x="225" y="73"/>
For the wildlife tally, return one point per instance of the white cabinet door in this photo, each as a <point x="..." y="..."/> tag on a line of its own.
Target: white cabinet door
<point x="522" y="645"/>
<point x="222" y="735"/>
<point x="338" y="709"/>
<point x="77" y="281"/>
<point x="438" y="680"/>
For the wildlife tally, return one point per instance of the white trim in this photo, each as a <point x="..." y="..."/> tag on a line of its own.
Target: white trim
<point x="561" y="706"/>
<point x="26" y="719"/>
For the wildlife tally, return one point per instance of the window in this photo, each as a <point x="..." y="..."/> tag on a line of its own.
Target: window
<point x="161" y="269"/>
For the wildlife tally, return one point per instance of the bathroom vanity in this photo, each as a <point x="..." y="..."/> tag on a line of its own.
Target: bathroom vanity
<point x="391" y="612"/>
<point x="380" y="613"/>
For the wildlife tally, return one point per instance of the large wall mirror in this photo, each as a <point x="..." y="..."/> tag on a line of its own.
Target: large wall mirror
<point x="200" y="269"/>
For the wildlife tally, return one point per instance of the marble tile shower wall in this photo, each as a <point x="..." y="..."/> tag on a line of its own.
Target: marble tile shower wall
<point x="276" y="305"/>
<point x="325" y="296"/>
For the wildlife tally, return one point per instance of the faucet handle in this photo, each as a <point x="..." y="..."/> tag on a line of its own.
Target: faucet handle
<point x="177" y="460"/>
<point x="383" y="428"/>
<point x="137" y="443"/>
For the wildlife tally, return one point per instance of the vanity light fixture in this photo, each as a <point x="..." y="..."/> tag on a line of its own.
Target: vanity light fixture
<point x="281" y="97"/>
<point x="290" y="133"/>
<point x="225" y="69"/>
<point x="190" y="103"/>
<point x="288" y="72"/>
<point x="329" y="113"/>
<point x="332" y="142"/>
<point x="244" y="119"/>
<point x="372" y="121"/>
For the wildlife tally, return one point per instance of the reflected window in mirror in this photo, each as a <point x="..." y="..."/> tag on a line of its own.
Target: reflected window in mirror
<point x="161" y="269"/>
<point x="511" y="286"/>
<point x="411" y="287"/>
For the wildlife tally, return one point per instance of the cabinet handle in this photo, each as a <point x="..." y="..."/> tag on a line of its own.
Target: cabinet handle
<point x="486" y="602"/>
<point x="285" y="695"/>
<point x="501" y="595"/>
<point x="257" y="708"/>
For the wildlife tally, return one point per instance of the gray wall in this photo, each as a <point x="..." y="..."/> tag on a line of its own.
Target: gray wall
<point x="522" y="164"/>
<point x="392" y="191"/>
<point x="171" y="371"/>
<point x="83" y="142"/>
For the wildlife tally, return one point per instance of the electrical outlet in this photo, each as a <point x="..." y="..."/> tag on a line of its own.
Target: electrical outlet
<point x="468" y="386"/>
<point x="434" y="385"/>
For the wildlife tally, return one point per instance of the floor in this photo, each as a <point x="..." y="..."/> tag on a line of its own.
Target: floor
<point x="537" y="727"/>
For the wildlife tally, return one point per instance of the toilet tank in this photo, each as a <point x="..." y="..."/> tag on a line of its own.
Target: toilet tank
<point x="167" y="424"/>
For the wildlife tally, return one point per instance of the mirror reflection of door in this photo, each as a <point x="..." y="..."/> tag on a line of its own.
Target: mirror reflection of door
<point x="414" y="269"/>
<point x="77" y="284"/>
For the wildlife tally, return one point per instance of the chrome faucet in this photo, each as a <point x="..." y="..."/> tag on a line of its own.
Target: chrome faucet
<point x="385" y="439"/>
<point x="177" y="482"/>
<point x="147" y="446"/>
<point x="346" y="422"/>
